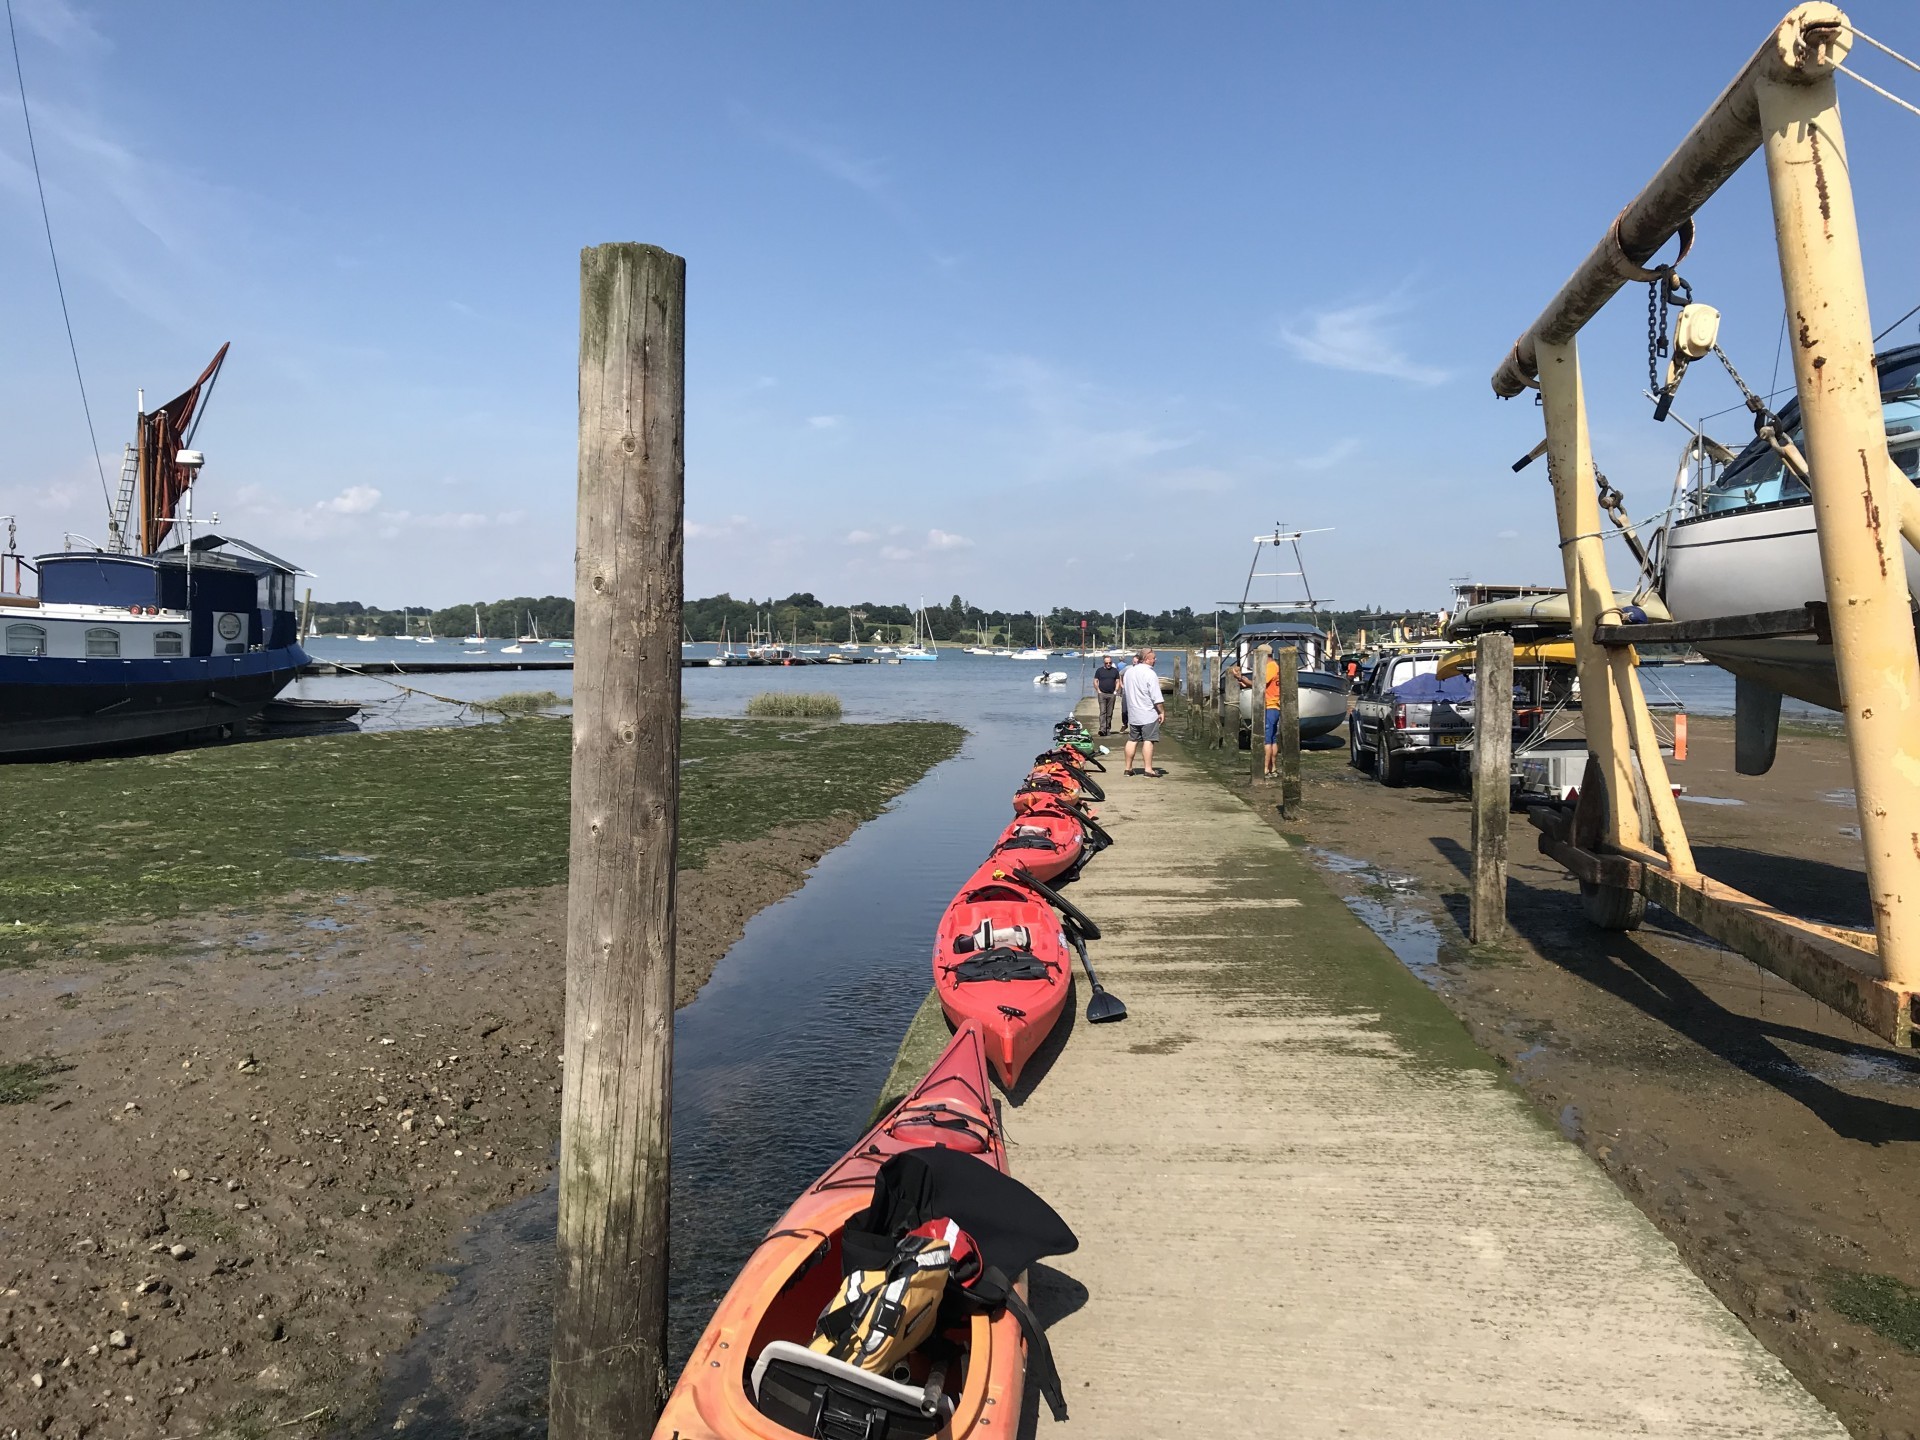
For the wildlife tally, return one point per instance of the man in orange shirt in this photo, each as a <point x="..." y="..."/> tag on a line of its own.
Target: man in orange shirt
<point x="1273" y="717"/>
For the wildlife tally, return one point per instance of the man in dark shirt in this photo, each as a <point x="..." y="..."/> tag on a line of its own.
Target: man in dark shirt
<point x="1106" y="681"/>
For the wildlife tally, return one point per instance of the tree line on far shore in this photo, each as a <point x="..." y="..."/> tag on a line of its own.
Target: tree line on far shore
<point x="800" y="616"/>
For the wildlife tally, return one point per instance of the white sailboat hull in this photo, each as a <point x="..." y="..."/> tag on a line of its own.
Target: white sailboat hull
<point x="1749" y="561"/>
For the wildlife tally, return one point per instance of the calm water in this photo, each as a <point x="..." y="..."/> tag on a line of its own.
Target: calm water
<point x="778" y="1062"/>
<point x="869" y="692"/>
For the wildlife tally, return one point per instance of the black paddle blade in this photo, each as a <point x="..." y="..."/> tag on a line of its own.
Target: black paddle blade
<point x="1105" y="1006"/>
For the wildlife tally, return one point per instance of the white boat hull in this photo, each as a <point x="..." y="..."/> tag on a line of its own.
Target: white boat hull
<point x="1323" y="704"/>
<point x="1746" y="562"/>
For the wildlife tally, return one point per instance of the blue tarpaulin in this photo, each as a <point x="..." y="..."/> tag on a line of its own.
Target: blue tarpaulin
<point x="1426" y="689"/>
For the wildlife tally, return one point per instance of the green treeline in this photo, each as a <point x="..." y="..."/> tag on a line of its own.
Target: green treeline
<point x="498" y="619"/>
<point x="803" y="616"/>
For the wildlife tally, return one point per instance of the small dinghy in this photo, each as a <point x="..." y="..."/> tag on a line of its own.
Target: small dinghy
<point x="760" y="1373"/>
<point x="1051" y="677"/>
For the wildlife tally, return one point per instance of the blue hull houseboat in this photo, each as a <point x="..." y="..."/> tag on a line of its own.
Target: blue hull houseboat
<point x="159" y="634"/>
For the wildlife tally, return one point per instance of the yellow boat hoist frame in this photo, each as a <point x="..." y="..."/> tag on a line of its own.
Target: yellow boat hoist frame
<point x="1783" y="103"/>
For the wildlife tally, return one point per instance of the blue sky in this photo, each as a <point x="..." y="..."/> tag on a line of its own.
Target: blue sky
<point x="1050" y="304"/>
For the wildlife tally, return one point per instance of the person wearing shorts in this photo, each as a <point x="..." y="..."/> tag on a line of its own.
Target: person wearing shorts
<point x="1273" y="718"/>
<point x="1146" y="709"/>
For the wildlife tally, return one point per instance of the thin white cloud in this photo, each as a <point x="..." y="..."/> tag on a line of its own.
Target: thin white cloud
<point x="863" y="172"/>
<point x="860" y="537"/>
<point x="1360" y="338"/>
<point x="1329" y="457"/>
<point x="825" y="422"/>
<point x="944" y="540"/>
<point x="1196" y="480"/>
<point x="895" y="552"/>
<point x="354" y="500"/>
<point x="57" y="23"/>
<point x="718" y="530"/>
<point x="1079" y="432"/>
<point x="1508" y="535"/>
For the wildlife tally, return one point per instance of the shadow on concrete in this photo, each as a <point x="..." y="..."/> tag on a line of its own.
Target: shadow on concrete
<point x="1034" y="1072"/>
<point x="1053" y="1295"/>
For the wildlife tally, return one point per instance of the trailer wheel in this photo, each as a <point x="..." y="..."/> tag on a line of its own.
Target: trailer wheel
<point x="1612" y="907"/>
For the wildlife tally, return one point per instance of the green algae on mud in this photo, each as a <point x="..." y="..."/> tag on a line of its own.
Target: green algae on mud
<point x="1883" y="1304"/>
<point x="428" y="814"/>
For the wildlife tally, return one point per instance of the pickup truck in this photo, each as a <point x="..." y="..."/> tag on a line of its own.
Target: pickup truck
<point x="1388" y="730"/>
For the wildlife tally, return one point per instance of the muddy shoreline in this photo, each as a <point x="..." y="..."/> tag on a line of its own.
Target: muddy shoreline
<point x="242" y="1182"/>
<point x="1775" y="1143"/>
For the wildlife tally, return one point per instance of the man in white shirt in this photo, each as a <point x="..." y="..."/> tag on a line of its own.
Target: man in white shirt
<point x="1146" y="709"/>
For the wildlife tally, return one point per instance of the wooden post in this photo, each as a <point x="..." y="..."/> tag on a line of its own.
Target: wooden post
<point x="1492" y="785"/>
<point x="1220" y="709"/>
<point x="306" y="614"/>
<point x="608" y="1373"/>
<point x="1257" y="732"/>
<point x="1289" y="757"/>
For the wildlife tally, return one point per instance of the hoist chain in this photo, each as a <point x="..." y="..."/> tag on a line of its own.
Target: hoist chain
<point x="1763" y="417"/>
<point x="1656" y="339"/>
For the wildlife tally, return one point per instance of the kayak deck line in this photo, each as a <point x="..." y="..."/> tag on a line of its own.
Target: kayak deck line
<point x="1301" y="1189"/>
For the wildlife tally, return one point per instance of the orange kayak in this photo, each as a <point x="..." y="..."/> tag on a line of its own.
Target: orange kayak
<point x="1015" y="986"/>
<point x="789" y="1279"/>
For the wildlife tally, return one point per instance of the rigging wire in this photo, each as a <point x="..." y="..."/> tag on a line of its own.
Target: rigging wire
<point x="46" y="220"/>
<point x="1885" y="94"/>
<point x="1883" y="48"/>
<point x="1896" y="324"/>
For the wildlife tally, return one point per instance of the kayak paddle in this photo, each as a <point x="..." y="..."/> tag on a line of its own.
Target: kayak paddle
<point x="1104" y="1005"/>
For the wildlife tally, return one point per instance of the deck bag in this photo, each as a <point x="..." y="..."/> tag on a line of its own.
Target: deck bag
<point x="883" y="1313"/>
<point x="1001" y="963"/>
<point x="1009" y="1228"/>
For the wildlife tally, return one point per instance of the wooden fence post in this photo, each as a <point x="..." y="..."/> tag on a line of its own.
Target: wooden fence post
<point x="1492" y="785"/>
<point x="608" y="1374"/>
<point x="1289" y="757"/>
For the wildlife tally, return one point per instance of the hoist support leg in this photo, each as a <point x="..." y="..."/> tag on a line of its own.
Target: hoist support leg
<point x="1858" y="511"/>
<point x="1583" y="555"/>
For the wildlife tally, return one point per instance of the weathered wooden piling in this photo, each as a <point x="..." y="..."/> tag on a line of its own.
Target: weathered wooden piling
<point x="1289" y="756"/>
<point x="1492" y="785"/>
<point x="608" y="1372"/>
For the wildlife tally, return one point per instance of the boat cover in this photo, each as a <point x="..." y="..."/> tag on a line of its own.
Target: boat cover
<point x="1429" y="689"/>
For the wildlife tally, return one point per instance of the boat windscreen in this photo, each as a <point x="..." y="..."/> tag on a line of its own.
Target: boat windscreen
<point x="1759" y="477"/>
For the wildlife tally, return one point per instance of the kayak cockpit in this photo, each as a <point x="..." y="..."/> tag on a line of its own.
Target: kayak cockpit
<point x="802" y="1392"/>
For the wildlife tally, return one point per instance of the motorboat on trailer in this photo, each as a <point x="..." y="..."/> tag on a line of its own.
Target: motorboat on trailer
<point x="1742" y="541"/>
<point x="160" y="633"/>
<point x="1323" y="693"/>
<point x="1323" y="690"/>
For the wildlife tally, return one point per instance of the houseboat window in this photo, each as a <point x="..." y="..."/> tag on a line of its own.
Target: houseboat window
<point x="168" y="642"/>
<point x="103" y="644"/>
<point x="26" y="640"/>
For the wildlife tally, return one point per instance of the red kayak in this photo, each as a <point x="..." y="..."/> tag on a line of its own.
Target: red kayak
<point x="768" y="1316"/>
<point x="1001" y="959"/>
<point x="1048" y="841"/>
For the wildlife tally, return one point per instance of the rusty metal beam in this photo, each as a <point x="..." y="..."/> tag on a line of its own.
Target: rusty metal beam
<point x="1827" y="962"/>
<point x="1802" y="49"/>
<point x="1809" y="957"/>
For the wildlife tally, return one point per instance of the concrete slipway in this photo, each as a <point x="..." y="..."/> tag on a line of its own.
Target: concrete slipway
<point x="1309" y="1206"/>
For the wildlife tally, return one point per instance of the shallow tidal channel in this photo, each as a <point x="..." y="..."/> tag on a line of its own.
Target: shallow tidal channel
<point x="777" y="1062"/>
